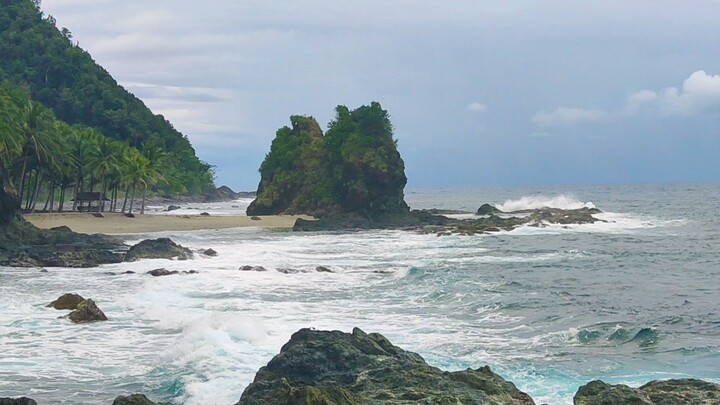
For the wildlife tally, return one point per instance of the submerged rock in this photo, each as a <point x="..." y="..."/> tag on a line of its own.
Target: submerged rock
<point x="66" y="301"/>
<point x="136" y="399"/>
<point x="210" y="252"/>
<point x="162" y="272"/>
<point x="322" y="367"/>
<point x="666" y="392"/>
<point x="87" y="311"/>
<point x="162" y="248"/>
<point x="323" y="269"/>
<point x="252" y="268"/>
<point x="17" y="401"/>
<point x="173" y="208"/>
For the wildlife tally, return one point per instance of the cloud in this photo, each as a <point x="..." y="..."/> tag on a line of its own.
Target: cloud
<point x="476" y="106"/>
<point x="700" y="94"/>
<point x="568" y="116"/>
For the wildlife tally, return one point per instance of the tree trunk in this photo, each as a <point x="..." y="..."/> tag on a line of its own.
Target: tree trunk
<point x="132" y="198"/>
<point x="22" y="174"/>
<point x="47" y="200"/>
<point x="142" y="209"/>
<point x="62" y="198"/>
<point x="76" y="190"/>
<point x="127" y="192"/>
<point x="38" y="183"/>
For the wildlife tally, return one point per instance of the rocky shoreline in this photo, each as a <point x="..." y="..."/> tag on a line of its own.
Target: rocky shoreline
<point x="488" y="220"/>
<point x="357" y="368"/>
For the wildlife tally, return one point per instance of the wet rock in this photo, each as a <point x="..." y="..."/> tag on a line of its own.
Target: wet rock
<point x="666" y="392"/>
<point x="162" y="248"/>
<point x="44" y="271"/>
<point x="128" y="272"/>
<point x="210" y="252"/>
<point x="288" y="271"/>
<point x="487" y="209"/>
<point x="323" y="269"/>
<point x="254" y="218"/>
<point x="322" y="367"/>
<point x="162" y="272"/>
<point x="87" y="311"/>
<point x="204" y="214"/>
<point x="66" y="301"/>
<point x="191" y="272"/>
<point x="253" y="268"/>
<point x="136" y="399"/>
<point x="173" y="208"/>
<point x="17" y="401"/>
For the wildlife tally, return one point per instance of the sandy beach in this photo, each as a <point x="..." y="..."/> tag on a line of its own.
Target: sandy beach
<point x="115" y="223"/>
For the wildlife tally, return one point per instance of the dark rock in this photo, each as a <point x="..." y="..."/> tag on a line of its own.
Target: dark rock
<point x="253" y="268"/>
<point x="254" y="218"/>
<point x="129" y="272"/>
<point x="66" y="301"/>
<point x="44" y="271"/>
<point x="204" y="214"/>
<point x="210" y="252"/>
<point x="439" y="211"/>
<point x="98" y="215"/>
<point x="225" y="193"/>
<point x="162" y="248"/>
<point x="136" y="399"/>
<point x="87" y="311"/>
<point x="129" y="215"/>
<point x="191" y="272"/>
<point x="323" y="269"/>
<point x="162" y="272"/>
<point x="321" y="367"/>
<point x="17" y="401"/>
<point x="666" y="392"/>
<point x="173" y="208"/>
<point x="288" y="271"/>
<point x="487" y="209"/>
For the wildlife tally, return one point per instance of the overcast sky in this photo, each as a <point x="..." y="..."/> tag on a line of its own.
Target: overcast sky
<point x="480" y="92"/>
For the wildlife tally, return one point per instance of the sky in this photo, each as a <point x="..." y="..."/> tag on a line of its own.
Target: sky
<point x="480" y="93"/>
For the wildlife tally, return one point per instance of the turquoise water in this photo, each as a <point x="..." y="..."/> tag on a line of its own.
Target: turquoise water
<point x="550" y="308"/>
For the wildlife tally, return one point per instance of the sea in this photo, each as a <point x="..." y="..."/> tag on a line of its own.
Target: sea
<point x="628" y="300"/>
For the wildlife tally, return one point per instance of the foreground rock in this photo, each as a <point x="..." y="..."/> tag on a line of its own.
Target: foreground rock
<point x="162" y="248"/>
<point x="87" y="311"/>
<point x="136" y="399"/>
<point x="66" y="301"/>
<point x="321" y="367"/>
<point x="17" y="401"/>
<point x="667" y="392"/>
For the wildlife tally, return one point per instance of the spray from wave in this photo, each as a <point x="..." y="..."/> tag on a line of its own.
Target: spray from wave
<point x="565" y="202"/>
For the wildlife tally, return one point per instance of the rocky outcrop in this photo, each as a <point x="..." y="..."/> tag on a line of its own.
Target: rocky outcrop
<point x="66" y="301"/>
<point x="87" y="311"/>
<point x="354" y="168"/>
<point x="252" y="268"/>
<point x="225" y="193"/>
<point x="487" y="209"/>
<point x="17" y="401"/>
<point x="162" y="248"/>
<point x="136" y="399"/>
<point x="321" y="367"/>
<point x="665" y="392"/>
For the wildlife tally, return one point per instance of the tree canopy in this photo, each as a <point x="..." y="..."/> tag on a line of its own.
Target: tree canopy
<point x="60" y="75"/>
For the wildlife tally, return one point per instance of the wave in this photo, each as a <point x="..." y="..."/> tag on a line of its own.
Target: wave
<point x="565" y="202"/>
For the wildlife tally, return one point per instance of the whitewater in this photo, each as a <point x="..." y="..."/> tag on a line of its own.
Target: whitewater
<point x="549" y="308"/>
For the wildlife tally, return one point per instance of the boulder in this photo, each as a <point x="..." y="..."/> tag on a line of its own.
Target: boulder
<point x="322" y="367"/>
<point x="162" y="248"/>
<point x="665" y="392"/>
<point x="66" y="301"/>
<point x="210" y="252"/>
<point x="253" y="268"/>
<point x="87" y="311"/>
<point x="17" y="401"/>
<point x="162" y="272"/>
<point x="323" y="269"/>
<point x="173" y="208"/>
<point x="487" y="209"/>
<point x="136" y="399"/>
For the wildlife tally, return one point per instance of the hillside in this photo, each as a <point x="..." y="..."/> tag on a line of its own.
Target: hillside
<point x="63" y="77"/>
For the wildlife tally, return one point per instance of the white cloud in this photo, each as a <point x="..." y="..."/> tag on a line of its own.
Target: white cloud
<point x="476" y="106"/>
<point x="568" y="116"/>
<point x="700" y="93"/>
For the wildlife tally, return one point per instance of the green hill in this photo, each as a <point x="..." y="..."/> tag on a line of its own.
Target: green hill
<point x="64" y="78"/>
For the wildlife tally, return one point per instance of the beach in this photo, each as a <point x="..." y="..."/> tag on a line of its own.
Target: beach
<point x="116" y="223"/>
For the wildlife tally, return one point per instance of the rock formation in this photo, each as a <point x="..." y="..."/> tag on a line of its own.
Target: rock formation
<point x="17" y="401"/>
<point x="321" y="367"/>
<point x="354" y="168"/>
<point x="161" y="248"/>
<point x="66" y="301"/>
<point x="87" y="311"/>
<point x="136" y="399"/>
<point x="665" y="392"/>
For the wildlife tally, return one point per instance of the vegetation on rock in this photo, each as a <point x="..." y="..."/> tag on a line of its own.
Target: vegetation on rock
<point x="354" y="168"/>
<point x="677" y="392"/>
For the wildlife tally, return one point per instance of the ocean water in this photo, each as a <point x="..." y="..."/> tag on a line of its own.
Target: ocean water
<point x="626" y="301"/>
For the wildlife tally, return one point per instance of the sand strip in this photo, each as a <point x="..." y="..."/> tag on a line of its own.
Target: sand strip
<point x="115" y="223"/>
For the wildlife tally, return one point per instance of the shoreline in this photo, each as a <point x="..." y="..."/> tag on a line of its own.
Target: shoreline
<point x="117" y="223"/>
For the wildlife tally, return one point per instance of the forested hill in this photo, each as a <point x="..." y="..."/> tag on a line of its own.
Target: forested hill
<point x="65" y="78"/>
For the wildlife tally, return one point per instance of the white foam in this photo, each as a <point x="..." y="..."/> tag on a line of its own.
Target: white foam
<point x="563" y="201"/>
